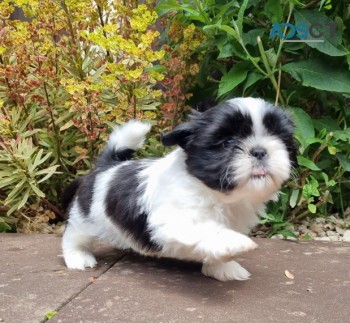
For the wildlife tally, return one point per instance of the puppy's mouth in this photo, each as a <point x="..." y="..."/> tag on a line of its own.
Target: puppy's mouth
<point x="259" y="173"/>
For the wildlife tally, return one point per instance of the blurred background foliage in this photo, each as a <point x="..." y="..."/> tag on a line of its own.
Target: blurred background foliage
<point x="71" y="70"/>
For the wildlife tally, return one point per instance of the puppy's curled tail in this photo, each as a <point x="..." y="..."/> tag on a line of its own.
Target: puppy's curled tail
<point x="123" y="142"/>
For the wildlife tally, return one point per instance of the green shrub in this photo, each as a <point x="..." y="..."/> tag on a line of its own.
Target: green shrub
<point x="69" y="72"/>
<point x="312" y="79"/>
<point x="74" y="69"/>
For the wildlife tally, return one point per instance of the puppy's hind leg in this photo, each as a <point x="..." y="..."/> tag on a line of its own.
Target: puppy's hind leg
<point x="76" y="246"/>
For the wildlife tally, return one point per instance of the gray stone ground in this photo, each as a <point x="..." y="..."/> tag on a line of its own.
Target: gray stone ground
<point x="129" y="288"/>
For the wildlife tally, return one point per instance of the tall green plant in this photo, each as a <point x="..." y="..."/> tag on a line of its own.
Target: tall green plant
<point x="68" y="73"/>
<point x="311" y="78"/>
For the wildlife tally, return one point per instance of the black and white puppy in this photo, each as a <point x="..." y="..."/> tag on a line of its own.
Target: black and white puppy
<point x="198" y="202"/>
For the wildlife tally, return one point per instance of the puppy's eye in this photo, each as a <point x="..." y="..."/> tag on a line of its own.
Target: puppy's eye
<point x="229" y="141"/>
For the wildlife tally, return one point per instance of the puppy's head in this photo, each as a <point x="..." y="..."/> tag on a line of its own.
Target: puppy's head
<point x="243" y="142"/>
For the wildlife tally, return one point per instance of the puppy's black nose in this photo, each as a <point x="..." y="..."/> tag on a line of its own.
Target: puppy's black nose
<point x="258" y="152"/>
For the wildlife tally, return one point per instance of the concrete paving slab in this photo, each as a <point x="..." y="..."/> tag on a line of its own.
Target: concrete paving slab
<point x="138" y="289"/>
<point x="34" y="279"/>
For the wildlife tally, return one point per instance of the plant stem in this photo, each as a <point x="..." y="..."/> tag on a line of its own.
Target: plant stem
<point x="240" y="40"/>
<point x="321" y="201"/>
<point x="291" y="7"/>
<point x="100" y="15"/>
<point x="4" y="209"/>
<point x="202" y="12"/>
<point x="278" y="85"/>
<point x="75" y="42"/>
<point x="56" y="130"/>
<point x="270" y="73"/>
<point x="53" y="208"/>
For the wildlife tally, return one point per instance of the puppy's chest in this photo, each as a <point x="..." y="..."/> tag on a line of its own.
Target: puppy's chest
<point x="241" y="216"/>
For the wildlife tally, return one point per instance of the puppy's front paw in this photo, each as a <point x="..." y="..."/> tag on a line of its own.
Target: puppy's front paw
<point x="239" y="243"/>
<point x="80" y="260"/>
<point x="226" y="246"/>
<point x="225" y="271"/>
<point x="242" y="244"/>
<point x="237" y="246"/>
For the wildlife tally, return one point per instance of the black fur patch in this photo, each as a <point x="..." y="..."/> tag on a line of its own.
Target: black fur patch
<point x="210" y="140"/>
<point x="110" y="158"/>
<point x="210" y="153"/>
<point x="69" y="193"/>
<point x="122" y="207"/>
<point x="278" y="123"/>
<point x="86" y="191"/>
<point x="83" y="186"/>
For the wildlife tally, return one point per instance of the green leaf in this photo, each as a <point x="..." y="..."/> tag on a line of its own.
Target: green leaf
<point x="252" y="78"/>
<point x="267" y="218"/>
<point x="327" y="4"/>
<point x="331" y="183"/>
<point x="48" y="171"/>
<point x="209" y="29"/>
<point x="328" y="182"/>
<point x="156" y="68"/>
<point x="304" y="127"/>
<point x="36" y="190"/>
<point x="307" y="237"/>
<point x="344" y="161"/>
<point x="302" y="161"/>
<point x="4" y="227"/>
<point x="226" y="50"/>
<point x="273" y="10"/>
<point x="24" y="198"/>
<point x="229" y="30"/>
<point x="332" y="150"/>
<point x="294" y="198"/>
<point x="98" y="73"/>
<point x="69" y="124"/>
<point x="16" y="190"/>
<point x="343" y="135"/>
<point x="7" y="181"/>
<point x="286" y="233"/>
<point x="250" y="38"/>
<point x="319" y="75"/>
<point x="169" y="5"/>
<point x="271" y="56"/>
<point x="297" y="3"/>
<point x="234" y="77"/>
<point x="241" y="15"/>
<point x="331" y="44"/>
<point x="312" y="208"/>
<point x="38" y="160"/>
<point x="150" y="107"/>
<point x="325" y="177"/>
<point x="51" y="314"/>
<point x="314" y="187"/>
<point x="326" y="123"/>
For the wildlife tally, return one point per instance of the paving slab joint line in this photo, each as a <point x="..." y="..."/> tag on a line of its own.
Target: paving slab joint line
<point x="82" y="289"/>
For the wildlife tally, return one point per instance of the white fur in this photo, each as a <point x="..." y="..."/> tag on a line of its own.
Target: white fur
<point x="228" y="271"/>
<point x="129" y="135"/>
<point x="77" y="243"/>
<point x="189" y="220"/>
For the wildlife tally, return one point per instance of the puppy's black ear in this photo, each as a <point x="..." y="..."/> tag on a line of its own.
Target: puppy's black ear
<point x="195" y="113"/>
<point x="179" y="136"/>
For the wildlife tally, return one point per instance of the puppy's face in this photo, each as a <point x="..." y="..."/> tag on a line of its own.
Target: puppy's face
<point x="244" y="142"/>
